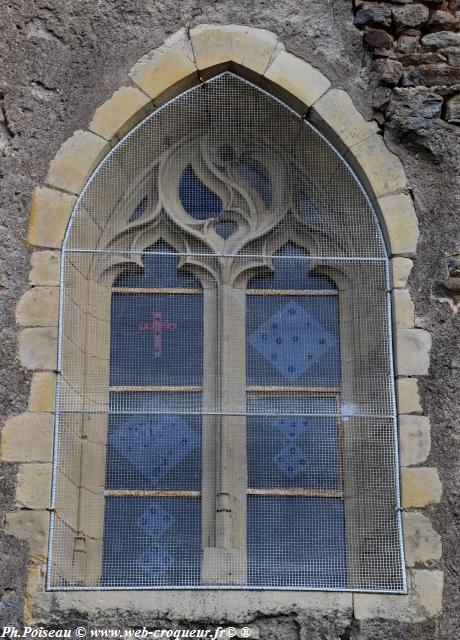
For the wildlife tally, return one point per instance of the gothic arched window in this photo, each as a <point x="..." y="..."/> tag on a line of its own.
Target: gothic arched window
<point x="226" y="406"/>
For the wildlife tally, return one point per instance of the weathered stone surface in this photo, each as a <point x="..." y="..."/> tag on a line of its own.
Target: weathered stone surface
<point x="453" y="110"/>
<point x="431" y="75"/>
<point x="113" y="119"/>
<point x="452" y="55"/>
<point x="297" y="78"/>
<point x="420" y="486"/>
<point x="73" y="164"/>
<point x="335" y="115"/>
<point x="49" y="216"/>
<point x="421" y="542"/>
<point x="404" y="309"/>
<point x="441" y="39"/>
<point x="379" y="169"/>
<point x="28" y="438"/>
<point x="414" y="439"/>
<point x="38" y="348"/>
<point x="377" y="39"/>
<point x="42" y="392"/>
<point x="215" y="44"/>
<point x="390" y="71"/>
<point x="408" y="395"/>
<point x="411" y="15"/>
<point x="376" y="13"/>
<point x="442" y="20"/>
<point x="34" y="485"/>
<point x="32" y="526"/>
<point x="38" y="307"/>
<point x="412" y="352"/>
<point x="423" y="601"/>
<point x="45" y="268"/>
<point x="168" y="70"/>
<point x="432" y="57"/>
<point x="417" y="102"/>
<point x="407" y="44"/>
<point x="401" y="222"/>
<point x="401" y="268"/>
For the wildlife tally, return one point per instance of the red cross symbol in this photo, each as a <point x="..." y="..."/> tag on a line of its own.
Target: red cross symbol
<point x="157" y="326"/>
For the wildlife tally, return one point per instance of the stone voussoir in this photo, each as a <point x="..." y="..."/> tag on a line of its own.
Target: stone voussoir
<point x="380" y="170"/>
<point x="32" y="526"/>
<point x="217" y="45"/>
<point x="45" y="266"/>
<point x="404" y="309"/>
<point x="28" y="438"/>
<point x="42" y="392"/>
<point x="421" y="542"/>
<point x="420" y="486"/>
<point x="408" y="396"/>
<point x="423" y="601"/>
<point x="412" y="352"/>
<point x="401" y="268"/>
<point x="335" y="115"/>
<point x="34" y="485"/>
<point x="414" y="439"/>
<point x="73" y="164"/>
<point x="401" y="222"/>
<point x="113" y="119"/>
<point x="168" y="70"/>
<point x="38" y="307"/>
<point x="296" y="81"/>
<point x="38" y="348"/>
<point x="49" y="217"/>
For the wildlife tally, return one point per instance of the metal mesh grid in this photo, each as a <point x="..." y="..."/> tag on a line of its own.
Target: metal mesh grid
<point x="225" y="401"/>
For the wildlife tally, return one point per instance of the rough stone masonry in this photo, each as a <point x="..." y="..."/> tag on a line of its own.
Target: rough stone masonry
<point x="61" y="59"/>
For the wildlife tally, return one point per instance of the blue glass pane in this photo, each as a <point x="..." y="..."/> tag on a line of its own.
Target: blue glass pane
<point x="225" y="229"/>
<point x="151" y="541"/>
<point x="293" y="451"/>
<point x="256" y="176"/>
<point x="158" y="271"/>
<point x="154" y="451"/>
<point x="295" y="541"/>
<point x="156" y="339"/>
<point x="290" y="274"/>
<point x="292" y="340"/>
<point x="198" y="201"/>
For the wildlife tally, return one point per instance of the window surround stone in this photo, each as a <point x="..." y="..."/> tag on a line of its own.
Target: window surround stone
<point x="162" y="74"/>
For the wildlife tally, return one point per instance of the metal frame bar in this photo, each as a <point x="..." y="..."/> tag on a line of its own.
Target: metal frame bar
<point x="384" y="259"/>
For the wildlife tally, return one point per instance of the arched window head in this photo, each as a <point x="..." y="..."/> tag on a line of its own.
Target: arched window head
<point x="226" y="408"/>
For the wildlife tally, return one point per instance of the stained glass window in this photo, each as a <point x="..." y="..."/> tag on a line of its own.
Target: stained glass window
<point x="226" y="413"/>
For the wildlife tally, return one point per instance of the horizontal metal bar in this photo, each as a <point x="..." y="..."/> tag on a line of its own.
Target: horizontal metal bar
<point x="190" y="411"/>
<point x="226" y="587"/>
<point x="251" y="389"/>
<point x="292" y="292"/>
<point x="157" y="389"/>
<point x="157" y="290"/>
<point x="160" y="493"/>
<point x="223" y="255"/>
<point x="290" y="390"/>
<point x="296" y="491"/>
<point x="150" y="493"/>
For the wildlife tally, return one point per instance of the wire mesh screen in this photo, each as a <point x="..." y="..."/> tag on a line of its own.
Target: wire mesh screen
<point x="225" y="398"/>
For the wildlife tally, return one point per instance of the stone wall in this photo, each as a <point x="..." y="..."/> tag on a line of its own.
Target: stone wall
<point x="416" y="49"/>
<point x="74" y="56"/>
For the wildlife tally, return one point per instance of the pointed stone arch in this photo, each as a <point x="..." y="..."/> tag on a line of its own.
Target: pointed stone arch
<point x="184" y="61"/>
